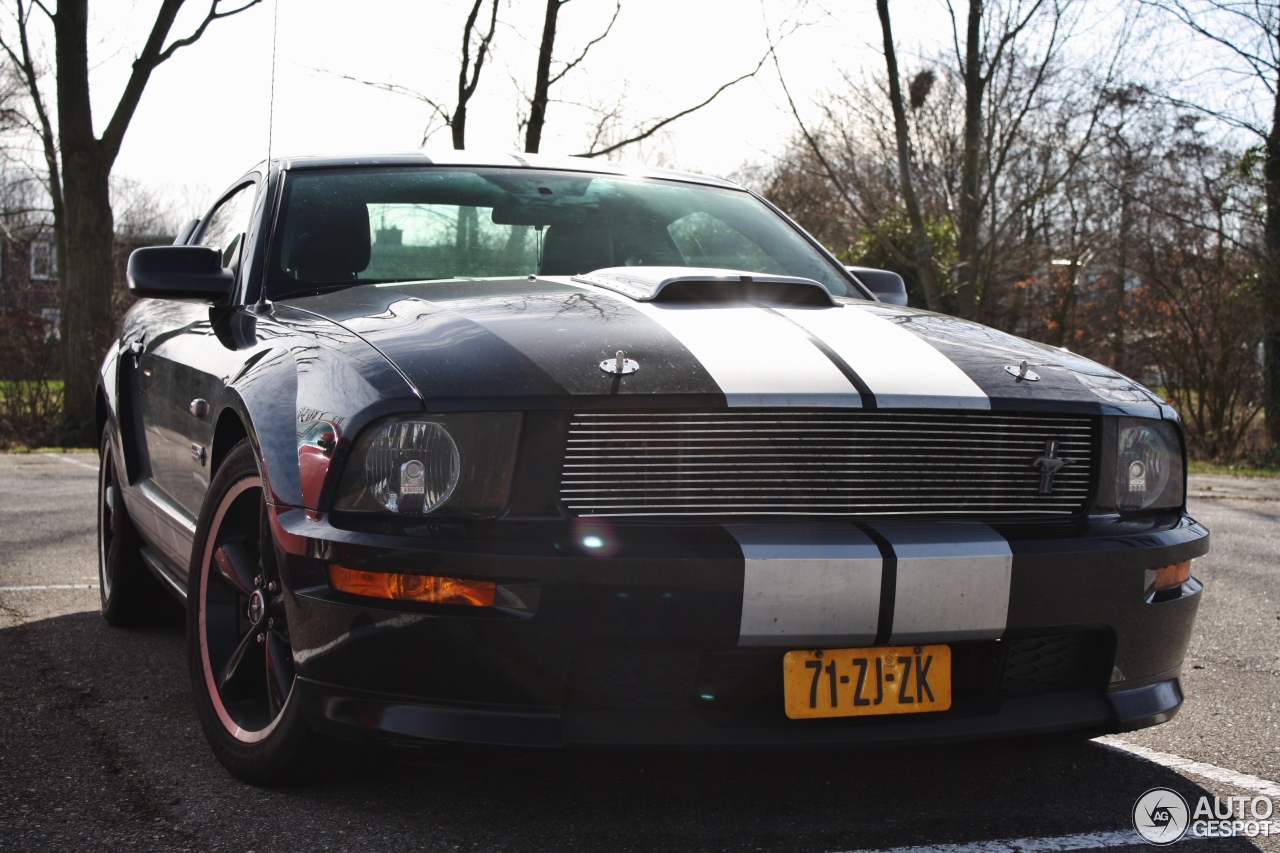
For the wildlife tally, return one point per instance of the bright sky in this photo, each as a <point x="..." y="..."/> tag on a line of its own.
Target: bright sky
<point x="204" y="117"/>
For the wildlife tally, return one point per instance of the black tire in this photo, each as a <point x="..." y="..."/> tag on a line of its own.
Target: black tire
<point x="131" y="595"/>
<point x="238" y="647"/>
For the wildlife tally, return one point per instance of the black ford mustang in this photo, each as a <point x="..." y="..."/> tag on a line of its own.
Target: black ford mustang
<point x="543" y="452"/>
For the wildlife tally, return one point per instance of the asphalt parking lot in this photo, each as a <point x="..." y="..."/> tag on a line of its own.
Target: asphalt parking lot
<point x="100" y="749"/>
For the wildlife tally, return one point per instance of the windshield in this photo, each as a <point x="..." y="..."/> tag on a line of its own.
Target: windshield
<point x="387" y="225"/>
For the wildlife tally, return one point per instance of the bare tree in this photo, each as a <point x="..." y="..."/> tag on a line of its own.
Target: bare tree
<point x="546" y="75"/>
<point x="836" y="154"/>
<point x="468" y="78"/>
<point x="22" y="62"/>
<point x="644" y="131"/>
<point x="83" y="219"/>
<point x="923" y="260"/>
<point x="1246" y="35"/>
<point x="990" y="33"/>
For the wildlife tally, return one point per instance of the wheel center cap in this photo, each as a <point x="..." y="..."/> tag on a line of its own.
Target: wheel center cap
<point x="257" y="606"/>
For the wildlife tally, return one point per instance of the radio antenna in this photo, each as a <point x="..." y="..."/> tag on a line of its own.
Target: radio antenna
<point x="271" y="108"/>
<point x="263" y="305"/>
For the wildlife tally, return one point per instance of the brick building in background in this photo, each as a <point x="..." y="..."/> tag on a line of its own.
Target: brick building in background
<point x="29" y="273"/>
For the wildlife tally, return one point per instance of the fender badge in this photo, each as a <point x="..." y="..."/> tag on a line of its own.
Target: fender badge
<point x="1021" y="373"/>
<point x="619" y="364"/>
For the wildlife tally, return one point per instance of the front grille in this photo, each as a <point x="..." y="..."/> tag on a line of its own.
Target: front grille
<point x="1058" y="662"/>
<point x="849" y="463"/>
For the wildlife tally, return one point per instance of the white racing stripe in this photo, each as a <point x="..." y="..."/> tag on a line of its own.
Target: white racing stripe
<point x="1082" y="841"/>
<point x="952" y="581"/>
<point x="821" y="584"/>
<point x="812" y="584"/>
<point x="1243" y="781"/>
<point x="762" y="357"/>
<point x="756" y="357"/>
<point x="901" y="369"/>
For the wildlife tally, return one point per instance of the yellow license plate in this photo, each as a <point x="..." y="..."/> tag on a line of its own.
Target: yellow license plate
<point x="866" y="682"/>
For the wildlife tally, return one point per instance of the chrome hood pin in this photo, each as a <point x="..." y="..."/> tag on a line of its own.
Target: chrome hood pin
<point x="1021" y="373"/>
<point x="619" y="364"/>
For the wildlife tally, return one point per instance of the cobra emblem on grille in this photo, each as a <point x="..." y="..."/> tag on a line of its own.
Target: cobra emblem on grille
<point x="1050" y="463"/>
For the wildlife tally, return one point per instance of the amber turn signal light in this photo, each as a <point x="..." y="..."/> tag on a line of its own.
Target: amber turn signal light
<point x="1168" y="577"/>
<point x="430" y="589"/>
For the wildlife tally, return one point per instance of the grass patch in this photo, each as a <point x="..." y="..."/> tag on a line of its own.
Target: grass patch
<point x="1236" y="470"/>
<point x="11" y="385"/>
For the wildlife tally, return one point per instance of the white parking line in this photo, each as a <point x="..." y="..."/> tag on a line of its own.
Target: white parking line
<point x="1101" y="840"/>
<point x="48" y="586"/>
<point x="1083" y="841"/>
<point x="72" y="461"/>
<point x="1243" y="781"/>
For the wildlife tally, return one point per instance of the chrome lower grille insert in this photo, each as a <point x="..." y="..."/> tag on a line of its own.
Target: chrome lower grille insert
<point x="842" y="463"/>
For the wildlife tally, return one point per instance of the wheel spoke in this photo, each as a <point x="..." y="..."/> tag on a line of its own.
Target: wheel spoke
<point x="238" y="669"/>
<point x="109" y="498"/>
<point x="279" y="672"/>
<point x="236" y="567"/>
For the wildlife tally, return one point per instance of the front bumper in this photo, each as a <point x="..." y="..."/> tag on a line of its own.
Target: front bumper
<point x="639" y="641"/>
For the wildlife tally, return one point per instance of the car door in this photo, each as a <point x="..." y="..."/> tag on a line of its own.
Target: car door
<point x="180" y="370"/>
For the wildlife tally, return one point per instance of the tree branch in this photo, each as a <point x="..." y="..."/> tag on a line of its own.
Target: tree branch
<point x="396" y="89"/>
<point x="153" y="54"/>
<point x="25" y="64"/>
<point x="555" y="78"/>
<point x="466" y="90"/>
<point x="658" y="125"/>
<point x="1180" y="11"/>
<point x="831" y="175"/>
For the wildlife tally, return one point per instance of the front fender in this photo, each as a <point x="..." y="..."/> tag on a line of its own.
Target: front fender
<point x="309" y="375"/>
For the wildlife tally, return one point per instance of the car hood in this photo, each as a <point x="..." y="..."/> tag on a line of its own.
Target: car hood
<point x="540" y="343"/>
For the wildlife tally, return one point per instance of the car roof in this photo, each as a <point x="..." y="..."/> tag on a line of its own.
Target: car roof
<point x="496" y="159"/>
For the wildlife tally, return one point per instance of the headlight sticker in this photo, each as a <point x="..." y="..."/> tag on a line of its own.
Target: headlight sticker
<point x="1148" y="465"/>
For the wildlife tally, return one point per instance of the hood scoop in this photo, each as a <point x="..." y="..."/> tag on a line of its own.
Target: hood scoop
<point x="694" y="284"/>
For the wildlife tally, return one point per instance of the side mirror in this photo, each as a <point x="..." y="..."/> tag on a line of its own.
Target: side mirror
<point x="189" y="273"/>
<point x="884" y="285"/>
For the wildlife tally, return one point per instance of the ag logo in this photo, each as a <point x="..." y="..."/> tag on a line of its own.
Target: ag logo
<point x="1161" y="816"/>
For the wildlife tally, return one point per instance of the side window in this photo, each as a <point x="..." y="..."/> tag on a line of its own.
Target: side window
<point x="226" y="227"/>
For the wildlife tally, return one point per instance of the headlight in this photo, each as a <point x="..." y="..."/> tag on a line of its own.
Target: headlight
<point x="1149" y="471"/>
<point x="455" y="464"/>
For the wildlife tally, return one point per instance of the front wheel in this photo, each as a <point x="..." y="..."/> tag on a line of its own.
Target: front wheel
<point x="130" y="594"/>
<point x="241" y="658"/>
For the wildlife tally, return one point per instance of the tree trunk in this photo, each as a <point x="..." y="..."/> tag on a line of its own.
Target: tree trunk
<point x="86" y="234"/>
<point x="970" y="162"/>
<point x="1270" y="281"/>
<point x="1122" y="269"/>
<point x="88" y="276"/>
<point x="467" y="88"/>
<point x="919" y="233"/>
<point x="88" y="304"/>
<point x="458" y="126"/>
<point x="542" y="85"/>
